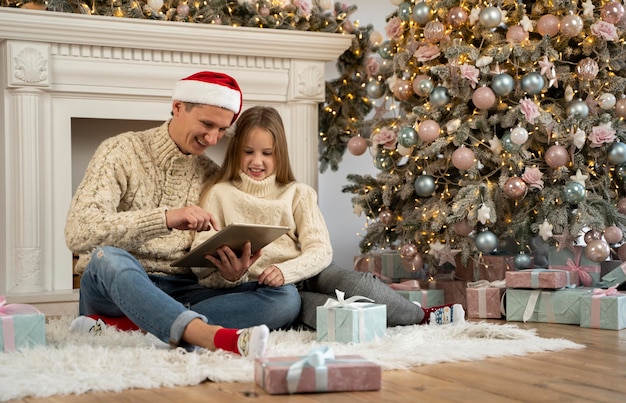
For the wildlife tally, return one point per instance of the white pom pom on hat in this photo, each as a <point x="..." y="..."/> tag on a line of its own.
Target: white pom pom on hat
<point x="210" y="88"/>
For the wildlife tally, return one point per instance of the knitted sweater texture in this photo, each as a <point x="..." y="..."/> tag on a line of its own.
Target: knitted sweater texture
<point x="132" y="179"/>
<point x="300" y="254"/>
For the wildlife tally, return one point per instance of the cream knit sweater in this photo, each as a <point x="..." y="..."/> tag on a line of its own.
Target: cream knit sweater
<point x="300" y="254"/>
<point x="132" y="179"/>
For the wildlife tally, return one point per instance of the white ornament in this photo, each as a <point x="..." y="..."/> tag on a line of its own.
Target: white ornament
<point x="484" y="213"/>
<point x="495" y="145"/>
<point x="484" y="61"/>
<point x="357" y="209"/>
<point x="453" y="125"/>
<point x="527" y="24"/>
<point x="569" y="93"/>
<point x="545" y="230"/>
<point x="588" y="8"/>
<point x="404" y="151"/>
<point x="326" y="5"/>
<point x="607" y="101"/>
<point x="579" y="138"/>
<point x="474" y="16"/>
<point x="155" y="4"/>
<point x="579" y="177"/>
<point x="397" y="2"/>
<point x="436" y="248"/>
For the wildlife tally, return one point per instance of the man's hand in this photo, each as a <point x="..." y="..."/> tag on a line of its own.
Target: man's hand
<point x="192" y="218"/>
<point x="272" y="276"/>
<point x="230" y="266"/>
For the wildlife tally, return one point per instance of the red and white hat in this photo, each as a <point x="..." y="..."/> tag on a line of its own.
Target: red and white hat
<point x="210" y="88"/>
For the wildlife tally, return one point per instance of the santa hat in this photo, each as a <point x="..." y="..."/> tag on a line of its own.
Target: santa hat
<point x="210" y="88"/>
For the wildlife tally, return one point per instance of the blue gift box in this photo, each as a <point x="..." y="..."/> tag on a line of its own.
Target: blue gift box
<point x="604" y="309"/>
<point x="551" y="306"/>
<point x="21" y="326"/>
<point x="588" y="271"/>
<point x="349" y="321"/>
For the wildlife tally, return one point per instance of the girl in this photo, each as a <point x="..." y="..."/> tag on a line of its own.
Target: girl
<point x="256" y="185"/>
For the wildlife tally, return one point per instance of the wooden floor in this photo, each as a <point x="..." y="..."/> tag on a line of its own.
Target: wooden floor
<point x="594" y="374"/>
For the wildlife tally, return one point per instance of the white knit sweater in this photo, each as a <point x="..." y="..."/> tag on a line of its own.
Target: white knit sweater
<point x="129" y="183"/>
<point x="301" y="253"/>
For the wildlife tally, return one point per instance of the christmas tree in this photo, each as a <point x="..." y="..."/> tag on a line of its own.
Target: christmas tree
<point x="496" y="125"/>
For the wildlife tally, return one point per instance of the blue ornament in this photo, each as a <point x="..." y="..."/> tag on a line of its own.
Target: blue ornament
<point x="486" y="241"/>
<point x="375" y="89"/>
<point x="422" y="13"/>
<point x="523" y="261"/>
<point x="617" y="153"/>
<point x="574" y="192"/>
<point x="383" y="161"/>
<point x="407" y="136"/>
<point x="424" y="186"/>
<point x="404" y="11"/>
<point x="508" y="144"/>
<point x="385" y="50"/>
<point x="439" y="96"/>
<point x="502" y="84"/>
<point x="533" y="83"/>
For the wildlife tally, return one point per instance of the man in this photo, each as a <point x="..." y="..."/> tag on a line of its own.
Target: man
<point x="135" y="212"/>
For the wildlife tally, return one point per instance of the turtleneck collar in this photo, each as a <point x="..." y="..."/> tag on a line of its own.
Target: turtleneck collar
<point x="256" y="188"/>
<point x="164" y="149"/>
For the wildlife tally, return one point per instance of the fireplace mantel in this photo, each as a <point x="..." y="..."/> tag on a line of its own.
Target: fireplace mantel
<point x="57" y="67"/>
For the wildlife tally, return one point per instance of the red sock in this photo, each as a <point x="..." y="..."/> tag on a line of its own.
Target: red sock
<point x="121" y="322"/>
<point x="226" y="339"/>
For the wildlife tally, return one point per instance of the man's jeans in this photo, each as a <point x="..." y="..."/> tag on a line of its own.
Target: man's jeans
<point x="115" y="284"/>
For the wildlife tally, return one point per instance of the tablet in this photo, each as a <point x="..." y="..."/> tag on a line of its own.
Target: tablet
<point x="235" y="236"/>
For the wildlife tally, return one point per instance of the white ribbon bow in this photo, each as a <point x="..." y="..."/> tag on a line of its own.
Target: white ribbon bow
<point x="317" y="359"/>
<point x="342" y="302"/>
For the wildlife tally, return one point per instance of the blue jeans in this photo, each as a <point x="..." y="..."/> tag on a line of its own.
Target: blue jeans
<point x="115" y="284"/>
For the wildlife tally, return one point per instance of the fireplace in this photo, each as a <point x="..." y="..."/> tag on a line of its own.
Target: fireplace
<point x="70" y="79"/>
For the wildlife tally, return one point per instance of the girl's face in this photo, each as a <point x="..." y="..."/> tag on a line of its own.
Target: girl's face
<point x="258" y="154"/>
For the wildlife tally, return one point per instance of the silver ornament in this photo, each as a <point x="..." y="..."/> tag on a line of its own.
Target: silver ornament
<point x="422" y="13"/>
<point x="424" y="186"/>
<point x="375" y="89"/>
<point x="617" y="153"/>
<point x="425" y="87"/>
<point x="490" y="17"/>
<point x="439" y="96"/>
<point x="383" y="161"/>
<point x="533" y="83"/>
<point x="523" y="261"/>
<point x="574" y="192"/>
<point x="486" y="241"/>
<point x="508" y="144"/>
<point x="404" y="11"/>
<point x="407" y="136"/>
<point x="577" y="108"/>
<point x="502" y="84"/>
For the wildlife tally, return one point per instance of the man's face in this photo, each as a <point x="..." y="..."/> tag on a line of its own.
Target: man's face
<point x="196" y="129"/>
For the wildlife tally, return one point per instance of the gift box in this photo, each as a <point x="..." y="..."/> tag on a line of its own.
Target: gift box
<point x="350" y="321"/>
<point x="494" y="267"/>
<point x="410" y="290"/>
<point x="369" y="263"/>
<point x="539" y="278"/>
<point x="550" y="306"/>
<point x="320" y="371"/>
<point x="603" y="309"/>
<point x="454" y="291"/>
<point x="587" y="271"/>
<point x="21" y="326"/>
<point x="608" y="266"/>
<point x="615" y="277"/>
<point x="395" y="268"/>
<point x="484" y="299"/>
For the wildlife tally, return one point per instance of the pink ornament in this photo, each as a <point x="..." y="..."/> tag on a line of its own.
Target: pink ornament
<point x="182" y="10"/>
<point x="420" y="88"/>
<point x="463" y="158"/>
<point x="457" y="16"/>
<point x="428" y="130"/>
<point x="357" y="145"/>
<point x="434" y="31"/>
<point x="264" y="11"/>
<point x="613" y="234"/>
<point x="592" y="235"/>
<point x="463" y="228"/>
<point x="621" y="253"/>
<point x="376" y="38"/>
<point x="621" y="206"/>
<point x="620" y="108"/>
<point x="402" y="90"/>
<point x="417" y="262"/>
<point x="484" y="98"/>
<point x="557" y="156"/>
<point x="587" y="69"/>
<point x="612" y="12"/>
<point x="571" y="25"/>
<point x="515" y="188"/>
<point x="597" y="250"/>
<point x="516" y="34"/>
<point x="386" y="217"/>
<point x="408" y="251"/>
<point x="548" y="24"/>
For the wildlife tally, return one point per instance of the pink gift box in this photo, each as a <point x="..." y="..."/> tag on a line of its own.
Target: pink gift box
<point x="538" y="278"/>
<point x="343" y="373"/>
<point x="454" y="291"/>
<point x="484" y="302"/>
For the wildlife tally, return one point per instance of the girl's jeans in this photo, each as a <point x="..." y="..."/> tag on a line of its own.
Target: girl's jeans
<point x="115" y="284"/>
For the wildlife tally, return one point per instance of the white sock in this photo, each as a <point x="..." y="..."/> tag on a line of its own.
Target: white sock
<point x="252" y="341"/>
<point x="85" y="324"/>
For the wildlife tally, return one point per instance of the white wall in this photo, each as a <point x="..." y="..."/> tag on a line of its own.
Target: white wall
<point x="336" y="206"/>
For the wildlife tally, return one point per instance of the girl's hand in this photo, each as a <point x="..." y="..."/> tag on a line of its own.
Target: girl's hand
<point x="272" y="277"/>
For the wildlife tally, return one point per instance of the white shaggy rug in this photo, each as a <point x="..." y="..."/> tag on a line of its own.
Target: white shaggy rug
<point x="115" y="361"/>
